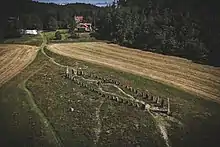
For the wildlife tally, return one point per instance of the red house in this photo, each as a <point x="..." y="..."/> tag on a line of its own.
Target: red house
<point x="78" y="19"/>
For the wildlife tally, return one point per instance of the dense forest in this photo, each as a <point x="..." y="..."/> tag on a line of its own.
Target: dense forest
<point x="186" y="28"/>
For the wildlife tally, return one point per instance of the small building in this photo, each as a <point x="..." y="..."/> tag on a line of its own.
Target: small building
<point x="28" y="32"/>
<point x="84" y="27"/>
<point x="78" y="19"/>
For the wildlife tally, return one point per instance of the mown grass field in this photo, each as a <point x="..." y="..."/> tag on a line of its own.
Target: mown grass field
<point x="13" y="59"/>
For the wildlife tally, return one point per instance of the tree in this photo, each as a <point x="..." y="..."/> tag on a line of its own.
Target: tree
<point x="52" y="24"/>
<point x="58" y="35"/>
<point x="72" y="25"/>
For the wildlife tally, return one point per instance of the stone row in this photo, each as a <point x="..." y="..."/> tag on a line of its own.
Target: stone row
<point x="157" y="101"/>
<point x="145" y="95"/>
<point x="104" y="80"/>
<point x="111" y="97"/>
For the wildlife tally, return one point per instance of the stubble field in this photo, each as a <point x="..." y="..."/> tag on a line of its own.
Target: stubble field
<point x="13" y="59"/>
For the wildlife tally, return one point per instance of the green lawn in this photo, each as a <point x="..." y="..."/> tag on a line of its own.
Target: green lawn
<point x="25" y="39"/>
<point x="83" y="37"/>
<point x="71" y="111"/>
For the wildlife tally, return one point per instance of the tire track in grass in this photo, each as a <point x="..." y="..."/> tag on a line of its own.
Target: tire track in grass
<point x="34" y="106"/>
<point x="37" y="110"/>
<point x="98" y="129"/>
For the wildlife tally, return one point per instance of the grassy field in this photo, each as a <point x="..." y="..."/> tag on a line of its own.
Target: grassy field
<point x="25" y="39"/>
<point x="20" y="126"/>
<point x="199" y="79"/>
<point x="40" y="107"/>
<point x="83" y="37"/>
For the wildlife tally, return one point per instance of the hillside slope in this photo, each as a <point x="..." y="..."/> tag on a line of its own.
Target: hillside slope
<point x="195" y="78"/>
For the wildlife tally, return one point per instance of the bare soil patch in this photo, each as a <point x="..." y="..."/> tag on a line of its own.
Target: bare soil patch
<point x="13" y="59"/>
<point x="201" y="80"/>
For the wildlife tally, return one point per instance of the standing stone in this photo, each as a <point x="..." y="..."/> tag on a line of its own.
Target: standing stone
<point x="98" y="83"/>
<point x="143" y="95"/>
<point x="158" y="100"/>
<point x="121" y="100"/>
<point x="130" y="103"/>
<point x="147" y="95"/>
<point x="143" y="106"/>
<point x="151" y="97"/>
<point x="139" y="93"/>
<point x="125" y="101"/>
<point x="133" y="104"/>
<point x="154" y="99"/>
<point x="137" y="105"/>
<point x="135" y="91"/>
<point x="67" y="72"/>
<point x="162" y="103"/>
<point x="168" y="106"/>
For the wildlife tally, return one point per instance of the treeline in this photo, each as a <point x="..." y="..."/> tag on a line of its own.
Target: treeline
<point x="187" y="29"/>
<point x="52" y="16"/>
<point x="47" y="16"/>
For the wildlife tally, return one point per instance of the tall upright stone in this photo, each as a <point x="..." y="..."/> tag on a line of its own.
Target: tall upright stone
<point x="168" y="106"/>
<point x="162" y="103"/>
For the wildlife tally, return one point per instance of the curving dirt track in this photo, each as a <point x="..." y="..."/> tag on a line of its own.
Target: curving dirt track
<point x="13" y="59"/>
<point x="195" y="78"/>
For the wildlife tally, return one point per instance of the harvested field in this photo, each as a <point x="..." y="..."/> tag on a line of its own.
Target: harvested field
<point x="13" y="59"/>
<point x="195" y="78"/>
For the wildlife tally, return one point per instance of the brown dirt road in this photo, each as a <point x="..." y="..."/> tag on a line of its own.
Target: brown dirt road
<point x="13" y="59"/>
<point x="195" y="78"/>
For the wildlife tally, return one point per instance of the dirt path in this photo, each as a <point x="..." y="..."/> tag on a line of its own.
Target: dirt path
<point x="98" y="128"/>
<point x="198" y="79"/>
<point x="13" y="59"/>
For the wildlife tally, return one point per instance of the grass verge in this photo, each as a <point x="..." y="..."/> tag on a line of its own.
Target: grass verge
<point x="25" y="39"/>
